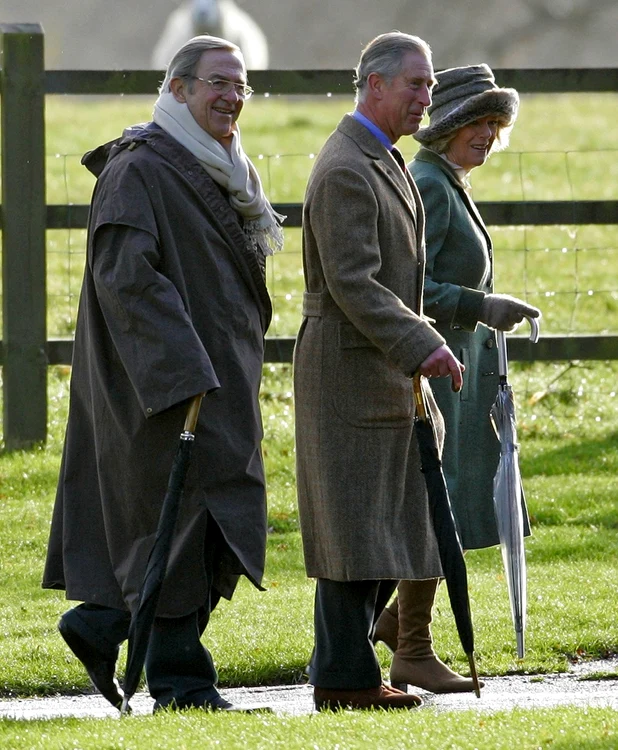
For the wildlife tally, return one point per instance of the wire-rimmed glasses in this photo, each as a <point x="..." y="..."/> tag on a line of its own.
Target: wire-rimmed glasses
<point x="223" y="86"/>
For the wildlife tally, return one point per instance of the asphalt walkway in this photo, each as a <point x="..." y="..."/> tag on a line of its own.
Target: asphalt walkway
<point x="499" y="694"/>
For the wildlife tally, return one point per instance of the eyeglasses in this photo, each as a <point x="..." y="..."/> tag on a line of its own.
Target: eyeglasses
<point x="223" y="86"/>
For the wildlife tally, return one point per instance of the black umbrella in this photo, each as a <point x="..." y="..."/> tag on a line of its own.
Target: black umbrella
<point x="143" y="616"/>
<point x="449" y="545"/>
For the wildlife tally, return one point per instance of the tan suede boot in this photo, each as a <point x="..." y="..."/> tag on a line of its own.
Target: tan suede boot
<point x="414" y="661"/>
<point x="387" y="626"/>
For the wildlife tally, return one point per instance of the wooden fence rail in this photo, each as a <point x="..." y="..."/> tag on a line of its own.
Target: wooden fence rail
<point x="25" y="352"/>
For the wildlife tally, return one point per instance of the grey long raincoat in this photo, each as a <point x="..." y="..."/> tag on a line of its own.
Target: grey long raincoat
<point x="459" y="273"/>
<point x="173" y="303"/>
<point x="362" y="498"/>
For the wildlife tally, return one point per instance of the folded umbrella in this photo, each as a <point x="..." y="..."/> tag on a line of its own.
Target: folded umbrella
<point x="144" y="615"/>
<point x="449" y="545"/>
<point x="508" y="492"/>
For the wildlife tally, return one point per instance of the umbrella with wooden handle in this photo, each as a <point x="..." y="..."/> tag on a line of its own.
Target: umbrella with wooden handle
<point x="449" y="545"/>
<point x="144" y="615"/>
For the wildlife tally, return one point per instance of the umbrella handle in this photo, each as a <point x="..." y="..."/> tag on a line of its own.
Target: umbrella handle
<point x="503" y="364"/>
<point x="419" y="397"/>
<point x="193" y="413"/>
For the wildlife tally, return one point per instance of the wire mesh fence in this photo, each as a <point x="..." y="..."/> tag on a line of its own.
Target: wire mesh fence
<point x="570" y="271"/>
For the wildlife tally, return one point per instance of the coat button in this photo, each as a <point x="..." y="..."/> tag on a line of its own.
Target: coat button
<point x="148" y="410"/>
<point x="490" y="343"/>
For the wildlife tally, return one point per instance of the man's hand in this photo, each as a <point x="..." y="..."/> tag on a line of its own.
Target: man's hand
<point x="440" y="364"/>
<point x="505" y="313"/>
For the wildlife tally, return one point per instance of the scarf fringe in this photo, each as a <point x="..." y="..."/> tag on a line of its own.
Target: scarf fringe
<point x="266" y="238"/>
<point x="233" y="171"/>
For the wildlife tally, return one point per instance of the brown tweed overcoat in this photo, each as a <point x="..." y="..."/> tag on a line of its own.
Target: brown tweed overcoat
<point x="362" y="499"/>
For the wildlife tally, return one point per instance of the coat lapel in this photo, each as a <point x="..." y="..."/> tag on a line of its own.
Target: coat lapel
<point x="383" y="161"/>
<point x="429" y="156"/>
<point x="420" y="239"/>
<point x="399" y="183"/>
<point x="222" y="216"/>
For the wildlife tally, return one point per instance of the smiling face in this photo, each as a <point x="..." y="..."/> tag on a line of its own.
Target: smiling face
<point x="214" y="112"/>
<point x="472" y="143"/>
<point x="401" y="104"/>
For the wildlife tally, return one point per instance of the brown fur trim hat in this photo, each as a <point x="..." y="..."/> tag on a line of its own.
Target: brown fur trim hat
<point x="463" y="95"/>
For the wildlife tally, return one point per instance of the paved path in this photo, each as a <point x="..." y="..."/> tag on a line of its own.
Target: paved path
<point x="499" y="693"/>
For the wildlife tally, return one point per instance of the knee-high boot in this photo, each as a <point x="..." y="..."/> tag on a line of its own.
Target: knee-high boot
<point x="414" y="661"/>
<point x="387" y="626"/>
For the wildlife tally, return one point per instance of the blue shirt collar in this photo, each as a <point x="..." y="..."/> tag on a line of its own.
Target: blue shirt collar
<point x="373" y="128"/>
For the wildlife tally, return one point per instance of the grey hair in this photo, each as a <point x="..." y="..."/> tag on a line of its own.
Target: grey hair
<point x="185" y="61"/>
<point x="503" y="134"/>
<point x="384" y="55"/>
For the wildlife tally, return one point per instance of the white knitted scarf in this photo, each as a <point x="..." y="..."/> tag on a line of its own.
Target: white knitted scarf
<point x="232" y="170"/>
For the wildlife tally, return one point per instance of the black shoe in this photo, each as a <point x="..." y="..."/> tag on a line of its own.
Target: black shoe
<point x="100" y="668"/>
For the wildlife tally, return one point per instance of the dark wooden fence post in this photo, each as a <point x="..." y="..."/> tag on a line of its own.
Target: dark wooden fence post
<point x="22" y="81"/>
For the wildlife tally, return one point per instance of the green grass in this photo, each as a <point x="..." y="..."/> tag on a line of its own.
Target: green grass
<point x="560" y="729"/>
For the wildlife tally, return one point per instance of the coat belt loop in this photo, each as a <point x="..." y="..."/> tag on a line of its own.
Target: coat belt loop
<point x="312" y="305"/>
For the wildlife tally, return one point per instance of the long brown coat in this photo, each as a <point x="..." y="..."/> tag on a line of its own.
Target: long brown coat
<point x="173" y="303"/>
<point x="362" y="498"/>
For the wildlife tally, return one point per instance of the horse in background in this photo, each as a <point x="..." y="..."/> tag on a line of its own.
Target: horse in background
<point x="222" y="18"/>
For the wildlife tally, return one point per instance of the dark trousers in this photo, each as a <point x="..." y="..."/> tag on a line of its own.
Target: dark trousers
<point x="179" y="670"/>
<point x="344" y="617"/>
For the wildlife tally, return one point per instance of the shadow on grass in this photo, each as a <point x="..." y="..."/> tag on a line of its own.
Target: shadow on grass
<point x="572" y="544"/>
<point x="593" y="455"/>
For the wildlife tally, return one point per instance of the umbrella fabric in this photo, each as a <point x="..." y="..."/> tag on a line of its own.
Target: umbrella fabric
<point x="508" y="503"/>
<point x="449" y="545"/>
<point x="144" y="615"/>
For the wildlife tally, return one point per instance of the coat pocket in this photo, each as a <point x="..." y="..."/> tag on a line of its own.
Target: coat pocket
<point x="369" y="390"/>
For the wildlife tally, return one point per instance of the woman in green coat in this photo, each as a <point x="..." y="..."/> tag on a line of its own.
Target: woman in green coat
<point x="470" y="118"/>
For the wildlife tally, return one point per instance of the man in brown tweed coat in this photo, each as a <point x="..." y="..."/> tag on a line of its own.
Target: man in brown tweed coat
<point x="362" y="498"/>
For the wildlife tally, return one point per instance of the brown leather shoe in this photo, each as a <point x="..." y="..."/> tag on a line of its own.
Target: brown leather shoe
<point x="384" y="696"/>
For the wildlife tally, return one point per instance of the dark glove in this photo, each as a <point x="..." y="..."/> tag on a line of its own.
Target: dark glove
<point x="504" y="312"/>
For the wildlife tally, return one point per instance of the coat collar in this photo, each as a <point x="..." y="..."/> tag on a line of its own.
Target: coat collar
<point x="220" y="213"/>
<point x="403" y="185"/>
<point x="384" y="162"/>
<point x="430" y="157"/>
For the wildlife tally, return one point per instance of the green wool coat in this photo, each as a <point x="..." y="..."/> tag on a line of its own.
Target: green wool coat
<point x="459" y="272"/>
<point x="362" y="499"/>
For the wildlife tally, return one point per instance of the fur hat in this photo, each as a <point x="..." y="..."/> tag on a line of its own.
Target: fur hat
<point x="463" y="95"/>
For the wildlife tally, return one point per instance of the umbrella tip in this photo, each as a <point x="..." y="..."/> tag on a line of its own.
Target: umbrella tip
<point x="473" y="673"/>
<point x="125" y="709"/>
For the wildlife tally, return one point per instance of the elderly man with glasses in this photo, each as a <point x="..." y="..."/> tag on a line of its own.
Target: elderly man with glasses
<point x="173" y="304"/>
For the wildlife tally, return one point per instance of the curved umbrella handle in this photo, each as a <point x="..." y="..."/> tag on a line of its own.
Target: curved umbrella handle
<point x="503" y="364"/>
